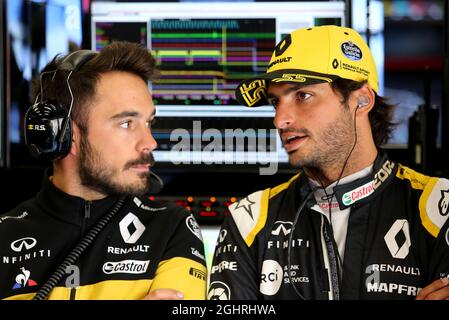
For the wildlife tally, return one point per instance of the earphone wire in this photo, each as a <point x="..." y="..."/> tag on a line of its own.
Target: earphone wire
<point x="329" y="197"/>
<point x="290" y="238"/>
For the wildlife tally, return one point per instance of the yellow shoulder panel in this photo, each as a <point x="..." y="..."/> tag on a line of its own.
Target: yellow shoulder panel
<point x="434" y="199"/>
<point x="274" y="191"/>
<point x="417" y="180"/>
<point x="250" y="214"/>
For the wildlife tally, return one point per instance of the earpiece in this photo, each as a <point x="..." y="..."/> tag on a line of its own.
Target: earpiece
<point x="48" y="129"/>
<point x="362" y="101"/>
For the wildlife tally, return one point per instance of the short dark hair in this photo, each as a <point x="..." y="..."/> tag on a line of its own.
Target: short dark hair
<point x="117" y="56"/>
<point x="380" y="117"/>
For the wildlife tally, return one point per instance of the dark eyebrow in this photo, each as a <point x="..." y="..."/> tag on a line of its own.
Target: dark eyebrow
<point x="131" y="114"/>
<point x="286" y="91"/>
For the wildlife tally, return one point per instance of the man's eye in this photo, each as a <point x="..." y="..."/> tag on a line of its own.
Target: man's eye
<point x="125" y="125"/>
<point x="304" y="95"/>
<point x="274" y="102"/>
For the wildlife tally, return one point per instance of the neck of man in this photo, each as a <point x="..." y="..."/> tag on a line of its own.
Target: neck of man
<point x="66" y="178"/>
<point x="363" y="155"/>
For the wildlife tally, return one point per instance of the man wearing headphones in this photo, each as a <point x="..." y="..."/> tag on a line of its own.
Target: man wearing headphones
<point x="91" y="233"/>
<point x="352" y="224"/>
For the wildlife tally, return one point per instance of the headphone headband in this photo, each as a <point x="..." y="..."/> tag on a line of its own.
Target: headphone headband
<point x="75" y="60"/>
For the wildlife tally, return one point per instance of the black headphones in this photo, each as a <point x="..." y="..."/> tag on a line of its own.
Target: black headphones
<point x="48" y="129"/>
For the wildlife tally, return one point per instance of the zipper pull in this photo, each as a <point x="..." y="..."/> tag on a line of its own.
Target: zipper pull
<point x="87" y="206"/>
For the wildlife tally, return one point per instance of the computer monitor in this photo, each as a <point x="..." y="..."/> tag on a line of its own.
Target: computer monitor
<point x="204" y="49"/>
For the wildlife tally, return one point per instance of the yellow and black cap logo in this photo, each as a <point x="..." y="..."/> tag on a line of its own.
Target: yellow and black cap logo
<point x="309" y="56"/>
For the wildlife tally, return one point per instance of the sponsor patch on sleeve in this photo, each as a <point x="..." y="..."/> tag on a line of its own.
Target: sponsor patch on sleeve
<point x="250" y="214"/>
<point x="434" y="205"/>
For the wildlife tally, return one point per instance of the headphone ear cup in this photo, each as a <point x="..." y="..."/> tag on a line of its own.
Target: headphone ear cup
<point x="44" y="126"/>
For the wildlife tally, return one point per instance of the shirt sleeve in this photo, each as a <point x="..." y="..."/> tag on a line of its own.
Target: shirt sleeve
<point x="234" y="274"/>
<point x="434" y="215"/>
<point x="183" y="267"/>
<point x="439" y="260"/>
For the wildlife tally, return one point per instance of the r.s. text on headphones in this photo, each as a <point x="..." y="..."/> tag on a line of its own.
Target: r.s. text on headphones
<point x="47" y="125"/>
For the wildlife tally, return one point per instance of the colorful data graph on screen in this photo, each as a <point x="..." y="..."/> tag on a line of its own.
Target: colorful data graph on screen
<point x="203" y="60"/>
<point x="106" y="32"/>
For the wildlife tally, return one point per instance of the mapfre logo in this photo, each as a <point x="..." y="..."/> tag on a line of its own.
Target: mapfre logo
<point x="131" y="228"/>
<point x="23" y="244"/>
<point x="398" y="239"/>
<point x="283" y="227"/>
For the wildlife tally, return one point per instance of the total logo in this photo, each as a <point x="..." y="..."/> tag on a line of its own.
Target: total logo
<point x="23" y="280"/>
<point x="23" y="244"/>
<point x="131" y="228"/>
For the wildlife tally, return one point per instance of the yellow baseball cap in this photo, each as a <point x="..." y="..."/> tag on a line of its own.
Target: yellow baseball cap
<point x="310" y="56"/>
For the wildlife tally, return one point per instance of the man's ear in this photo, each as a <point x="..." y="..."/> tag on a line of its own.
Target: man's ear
<point x="75" y="139"/>
<point x="364" y="98"/>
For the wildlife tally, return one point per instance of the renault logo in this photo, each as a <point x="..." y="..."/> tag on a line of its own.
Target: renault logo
<point x="23" y="243"/>
<point x="398" y="239"/>
<point x="131" y="228"/>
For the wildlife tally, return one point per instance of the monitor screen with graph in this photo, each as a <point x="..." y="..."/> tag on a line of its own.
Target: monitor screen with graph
<point x="204" y="49"/>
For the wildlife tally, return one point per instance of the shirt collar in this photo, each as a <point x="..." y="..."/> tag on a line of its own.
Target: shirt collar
<point x="359" y="187"/>
<point x="70" y="208"/>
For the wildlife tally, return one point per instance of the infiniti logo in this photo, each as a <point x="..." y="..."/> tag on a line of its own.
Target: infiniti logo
<point x="282" y="226"/>
<point x="222" y="235"/>
<point x="23" y="243"/>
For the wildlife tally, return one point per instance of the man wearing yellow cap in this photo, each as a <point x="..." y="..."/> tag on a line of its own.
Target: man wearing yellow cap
<point x="352" y="224"/>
